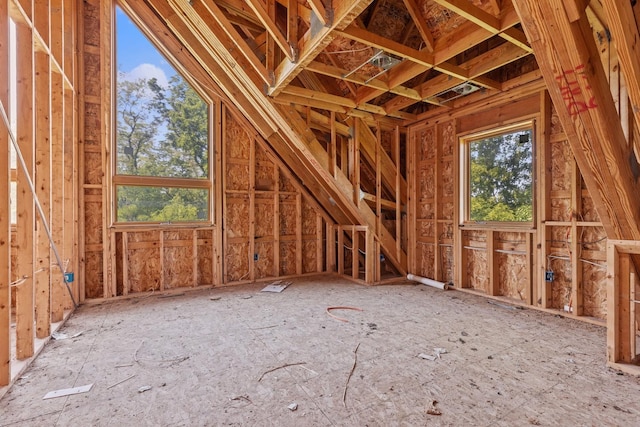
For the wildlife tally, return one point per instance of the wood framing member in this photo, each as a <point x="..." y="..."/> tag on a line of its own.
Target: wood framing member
<point x="314" y="41"/>
<point x="272" y="29"/>
<point x="487" y="21"/>
<point x="621" y="305"/>
<point x="42" y="180"/>
<point x="624" y="29"/>
<point x="5" y="208"/>
<point x="570" y="65"/>
<point x="24" y="202"/>
<point x="420" y="23"/>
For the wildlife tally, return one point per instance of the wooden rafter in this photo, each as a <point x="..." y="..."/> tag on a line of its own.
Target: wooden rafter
<point x="486" y="21"/>
<point x="624" y="29"/>
<point x="568" y="59"/>
<point x="209" y="8"/>
<point x="314" y="42"/>
<point x="271" y="28"/>
<point x="319" y="10"/>
<point x="420" y="23"/>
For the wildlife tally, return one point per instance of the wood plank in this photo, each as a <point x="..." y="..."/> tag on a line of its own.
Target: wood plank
<point x="580" y="91"/>
<point x="624" y="31"/>
<point x="24" y="201"/>
<point x="577" y="288"/>
<point x="319" y="10"/>
<point x="125" y="263"/>
<point x="420" y="23"/>
<point x="319" y="247"/>
<point x="209" y="9"/>
<point x="5" y="207"/>
<point x="542" y="289"/>
<point x="271" y="28"/>
<point x="298" y="234"/>
<point x="42" y="181"/>
<point x="58" y="290"/>
<point x="315" y="41"/>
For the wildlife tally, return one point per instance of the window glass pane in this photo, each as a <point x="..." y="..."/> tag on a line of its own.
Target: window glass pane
<point x="500" y="177"/>
<point x="161" y="204"/>
<point x="162" y="122"/>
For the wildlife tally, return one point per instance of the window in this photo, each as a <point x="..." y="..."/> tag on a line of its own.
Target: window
<point x="498" y="167"/>
<point x="162" y="168"/>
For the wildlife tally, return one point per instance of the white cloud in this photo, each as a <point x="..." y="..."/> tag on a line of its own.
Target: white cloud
<point x="147" y="71"/>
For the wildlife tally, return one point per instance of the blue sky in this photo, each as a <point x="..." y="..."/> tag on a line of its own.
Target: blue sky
<point x="136" y="56"/>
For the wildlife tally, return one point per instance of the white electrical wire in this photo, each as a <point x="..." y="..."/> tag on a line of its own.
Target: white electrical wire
<point x="37" y="202"/>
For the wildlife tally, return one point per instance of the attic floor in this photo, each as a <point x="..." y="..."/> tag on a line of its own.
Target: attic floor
<point x="203" y="354"/>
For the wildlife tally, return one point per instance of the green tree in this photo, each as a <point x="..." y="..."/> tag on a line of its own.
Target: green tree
<point x="161" y="132"/>
<point x="500" y="178"/>
<point x="188" y="129"/>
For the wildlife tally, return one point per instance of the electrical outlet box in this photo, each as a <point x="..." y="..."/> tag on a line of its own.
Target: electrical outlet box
<point x="548" y="276"/>
<point x="255" y="257"/>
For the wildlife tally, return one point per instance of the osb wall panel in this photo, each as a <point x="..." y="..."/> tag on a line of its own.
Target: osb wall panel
<point x="237" y="177"/>
<point x="264" y="177"/>
<point x="178" y="261"/>
<point x="476" y="270"/>
<point x="264" y="217"/>
<point x="237" y="217"/>
<point x="288" y="219"/>
<point x="448" y="138"/>
<point x="446" y="263"/>
<point x="426" y="229"/>
<point x="287" y="258"/>
<point x="512" y="276"/>
<point x="425" y="210"/>
<point x="205" y="257"/>
<point x="285" y="183"/>
<point x="427" y="143"/>
<point x="309" y="257"/>
<point x="144" y="269"/>
<point x="264" y="265"/>
<point x="237" y="140"/>
<point x="594" y="299"/>
<point x="92" y="115"/>
<point x="308" y="218"/>
<point x="426" y="258"/>
<point x="237" y="261"/>
<point x="93" y="168"/>
<point x="93" y="280"/>
<point x="427" y="184"/>
<point x="93" y="223"/>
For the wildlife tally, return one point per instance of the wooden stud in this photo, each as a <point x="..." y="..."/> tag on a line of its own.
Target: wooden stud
<point x="542" y="291"/>
<point x="5" y="208"/>
<point x="355" y="253"/>
<point x="340" y="232"/>
<point x="298" y="233"/>
<point x="161" y="260"/>
<point x="396" y="159"/>
<point x="108" y="205"/>
<point x="331" y="248"/>
<point x="58" y="290"/>
<point x="24" y="202"/>
<point x="577" y="289"/>
<point x="492" y="262"/>
<point x="218" y="201"/>
<point x="319" y="246"/>
<point x="276" y="220"/>
<point x="125" y="263"/>
<point x="529" y="268"/>
<point x="42" y="182"/>
<point x="71" y="226"/>
<point x="252" y="210"/>
<point x="194" y="270"/>
<point x="370" y="258"/>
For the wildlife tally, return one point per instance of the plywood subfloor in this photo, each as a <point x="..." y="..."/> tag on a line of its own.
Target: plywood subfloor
<point x="204" y="352"/>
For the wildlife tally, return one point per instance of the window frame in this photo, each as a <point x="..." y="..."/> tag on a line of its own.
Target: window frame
<point x="145" y="181"/>
<point x="465" y="142"/>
